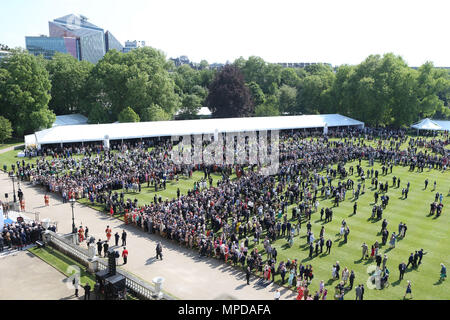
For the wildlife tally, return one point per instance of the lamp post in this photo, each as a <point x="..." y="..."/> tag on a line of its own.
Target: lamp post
<point x="14" y="188"/>
<point x="72" y="203"/>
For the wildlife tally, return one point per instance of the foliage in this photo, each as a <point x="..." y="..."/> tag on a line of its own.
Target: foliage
<point x="381" y="90"/>
<point x="256" y="92"/>
<point x="190" y="106"/>
<point x="128" y="115"/>
<point x="24" y="92"/>
<point x="5" y="129"/>
<point x="68" y="77"/>
<point x="228" y="95"/>
<point x="138" y="78"/>
<point x="154" y="113"/>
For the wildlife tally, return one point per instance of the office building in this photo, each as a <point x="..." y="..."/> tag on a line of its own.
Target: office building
<point x="131" y="45"/>
<point x="74" y="34"/>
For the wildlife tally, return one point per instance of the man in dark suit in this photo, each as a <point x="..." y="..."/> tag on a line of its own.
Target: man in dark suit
<point x="410" y="260"/>
<point x="105" y="248"/>
<point x="329" y="243"/>
<point x="159" y="251"/>
<point x="247" y="275"/>
<point x="346" y="232"/>
<point x="358" y="292"/>
<point x="416" y="258"/>
<point x="116" y="238"/>
<point x="321" y="243"/>
<point x="87" y="291"/>
<point x="311" y="249"/>
<point x="378" y="259"/>
<point x="351" y="278"/>
<point x="338" y="267"/>
<point x="124" y="238"/>
<point x="420" y="253"/>
<point x="402" y="269"/>
<point x="99" y="247"/>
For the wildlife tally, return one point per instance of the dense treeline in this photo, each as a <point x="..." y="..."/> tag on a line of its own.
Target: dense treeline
<point x="143" y="85"/>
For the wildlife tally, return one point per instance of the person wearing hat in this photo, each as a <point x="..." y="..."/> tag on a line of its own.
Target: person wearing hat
<point x="125" y="255"/>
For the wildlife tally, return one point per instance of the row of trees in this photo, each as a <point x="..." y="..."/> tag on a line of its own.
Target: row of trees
<point x="143" y="85"/>
<point x="382" y="90"/>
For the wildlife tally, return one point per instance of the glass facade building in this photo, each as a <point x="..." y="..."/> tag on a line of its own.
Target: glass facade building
<point x="47" y="46"/>
<point x="112" y="43"/>
<point x="75" y="35"/>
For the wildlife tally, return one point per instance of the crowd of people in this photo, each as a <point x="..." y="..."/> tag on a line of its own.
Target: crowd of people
<point x="222" y="220"/>
<point x="18" y="235"/>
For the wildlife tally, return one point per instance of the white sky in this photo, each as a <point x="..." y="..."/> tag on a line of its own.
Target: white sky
<point x="337" y="32"/>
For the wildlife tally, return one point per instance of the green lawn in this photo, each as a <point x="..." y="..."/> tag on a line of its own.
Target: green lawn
<point x="11" y="143"/>
<point x="61" y="262"/>
<point x="184" y="184"/>
<point x="427" y="232"/>
<point x="424" y="231"/>
<point x="65" y="264"/>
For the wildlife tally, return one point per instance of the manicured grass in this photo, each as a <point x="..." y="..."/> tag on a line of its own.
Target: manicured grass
<point x="62" y="263"/>
<point x="429" y="233"/>
<point x="10" y="143"/>
<point x="65" y="265"/>
<point x="147" y="194"/>
<point x="10" y="157"/>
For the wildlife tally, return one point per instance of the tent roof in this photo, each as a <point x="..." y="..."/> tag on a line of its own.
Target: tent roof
<point x="118" y="131"/>
<point x="426" y="124"/>
<point x="70" y="119"/>
<point x="444" y="124"/>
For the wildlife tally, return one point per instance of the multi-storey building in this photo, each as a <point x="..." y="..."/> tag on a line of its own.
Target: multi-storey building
<point x="74" y="34"/>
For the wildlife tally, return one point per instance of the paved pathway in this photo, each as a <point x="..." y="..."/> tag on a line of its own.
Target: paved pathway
<point x="11" y="148"/>
<point x="26" y="277"/>
<point x="186" y="275"/>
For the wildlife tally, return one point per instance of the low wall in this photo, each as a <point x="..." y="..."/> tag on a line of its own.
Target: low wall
<point x="139" y="288"/>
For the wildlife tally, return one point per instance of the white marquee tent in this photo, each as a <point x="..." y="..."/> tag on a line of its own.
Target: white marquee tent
<point x="119" y="131"/>
<point x="435" y="125"/>
<point x="444" y="124"/>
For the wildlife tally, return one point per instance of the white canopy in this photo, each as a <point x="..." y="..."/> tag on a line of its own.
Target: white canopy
<point x="427" y="124"/>
<point x="70" y="120"/>
<point x="118" y="131"/>
<point x="444" y="124"/>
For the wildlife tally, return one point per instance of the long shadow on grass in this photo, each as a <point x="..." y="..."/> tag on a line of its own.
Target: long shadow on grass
<point x="439" y="282"/>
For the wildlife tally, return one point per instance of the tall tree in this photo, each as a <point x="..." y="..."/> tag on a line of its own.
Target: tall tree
<point x="25" y="92"/>
<point x="288" y="98"/>
<point x="128" y="115"/>
<point x="228" y="95"/>
<point x="257" y="94"/>
<point x="138" y="78"/>
<point x="68" y="77"/>
<point x="5" y="129"/>
<point x="190" y="106"/>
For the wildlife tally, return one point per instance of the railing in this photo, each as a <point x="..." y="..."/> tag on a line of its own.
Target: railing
<point x="140" y="288"/>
